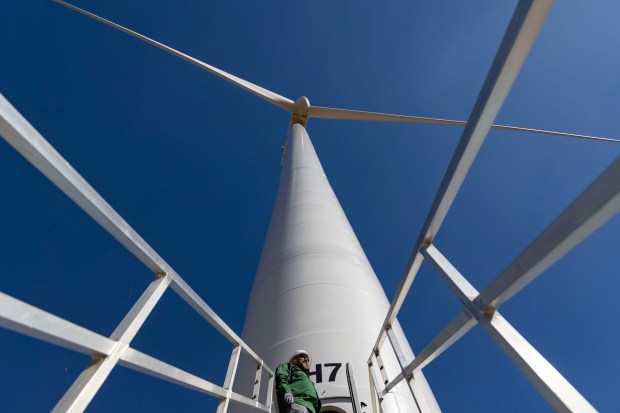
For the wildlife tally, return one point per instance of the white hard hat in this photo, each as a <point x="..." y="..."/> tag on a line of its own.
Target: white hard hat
<point x="298" y="352"/>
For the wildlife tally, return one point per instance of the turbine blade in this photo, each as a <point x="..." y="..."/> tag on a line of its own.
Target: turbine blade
<point x="262" y="93"/>
<point x="548" y="132"/>
<point x="346" y="114"/>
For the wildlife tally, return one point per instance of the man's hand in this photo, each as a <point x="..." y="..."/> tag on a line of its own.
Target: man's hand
<point x="288" y="399"/>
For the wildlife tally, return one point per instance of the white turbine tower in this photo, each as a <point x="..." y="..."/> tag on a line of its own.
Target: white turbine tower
<point x="315" y="288"/>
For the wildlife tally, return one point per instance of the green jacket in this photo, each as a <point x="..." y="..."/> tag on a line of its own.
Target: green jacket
<point x="292" y="379"/>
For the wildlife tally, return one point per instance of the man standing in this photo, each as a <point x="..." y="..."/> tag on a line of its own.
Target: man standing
<point x="296" y="392"/>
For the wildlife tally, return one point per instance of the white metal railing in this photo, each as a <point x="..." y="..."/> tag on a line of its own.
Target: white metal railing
<point x="107" y="352"/>
<point x="597" y="204"/>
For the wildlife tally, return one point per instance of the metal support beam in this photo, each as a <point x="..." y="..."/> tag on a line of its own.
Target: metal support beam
<point x="128" y="328"/>
<point x="400" y="355"/>
<point x="271" y="384"/>
<point x="16" y="130"/>
<point x="381" y="366"/>
<point x="235" y="397"/>
<point x="355" y="400"/>
<point x="521" y="33"/>
<point x="22" y="136"/>
<point x="84" y="388"/>
<point x="375" y="380"/>
<point x="558" y="392"/>
<point x="79" y="395"/>
<point x="594" y="206"/>
<point x="448" y="336"/>
<point x="457" y="328"/>
<point x="373" y="390"/>
<point x="597" y="203"/>
<point x="257" y="380"/>
<point x="402" y="362"/>
<point x="145" y="364"/>
<point x="198" y="304"/>
<point x="229" y="380"/>
<point x="31" y="321"/>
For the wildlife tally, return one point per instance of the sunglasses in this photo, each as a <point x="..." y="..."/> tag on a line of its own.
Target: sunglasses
<point x="302" y="356"/>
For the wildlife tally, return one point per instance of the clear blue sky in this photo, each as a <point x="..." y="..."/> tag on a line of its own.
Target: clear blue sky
<point x="192" y="163"/>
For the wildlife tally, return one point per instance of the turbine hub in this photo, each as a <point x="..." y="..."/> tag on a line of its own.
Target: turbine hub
<point x="300" y="111"/>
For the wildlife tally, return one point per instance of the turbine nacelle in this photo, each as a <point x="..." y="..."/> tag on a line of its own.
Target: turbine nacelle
<point x="300" y="111"/>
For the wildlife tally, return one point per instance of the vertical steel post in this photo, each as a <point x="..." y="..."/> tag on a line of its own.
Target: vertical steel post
<point x="381" y="366"/>
<point x="79" y="395"/>
<point x="402" y="361"/>
<point x="230" y="378"/>
<point x="376" y="395"/>
<point x="271" y="384"/>
<point x="257" y="378"/>
<point x="355" y="400"/>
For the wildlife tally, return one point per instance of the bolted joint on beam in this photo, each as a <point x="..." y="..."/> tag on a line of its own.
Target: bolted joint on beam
<point x="97" y="357"/>
<point x="488" y="311"/>
<point x="161" y="274"/>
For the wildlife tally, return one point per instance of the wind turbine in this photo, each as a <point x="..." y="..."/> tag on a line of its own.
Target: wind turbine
<point x="300" y="109"/>
<point x="300" y="156"/>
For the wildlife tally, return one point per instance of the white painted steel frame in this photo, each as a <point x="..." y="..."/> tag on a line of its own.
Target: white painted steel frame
<point x="79" y="395"/>
<point x="594" y="206"/>
<point x="31" y="321"/>
<point x="229" y="380"/>
<point x="400" y="356"/>
<point x="28" y="320"/>
<point x="599" y="202"/>
<point x="355" y="400"/>
<point x="372" y="371"/>
<point x="376" y="402"/>
<point x="448" y="336"/>
<point x="521" y="33"/>
<point x="143" y="363"/>
<point x="558" y="392"/>
<point x="257" y="377"/>
<point x="107" y="352"/>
